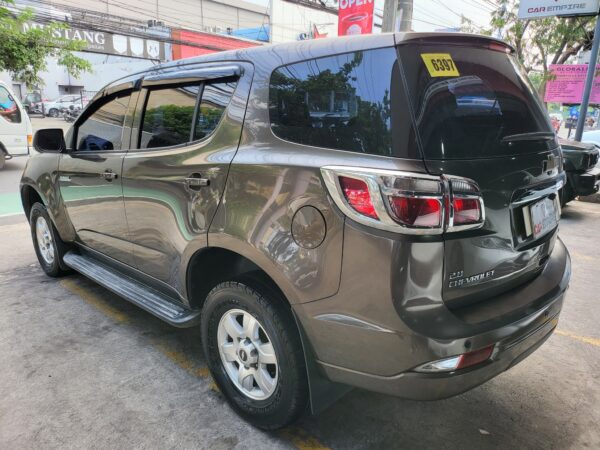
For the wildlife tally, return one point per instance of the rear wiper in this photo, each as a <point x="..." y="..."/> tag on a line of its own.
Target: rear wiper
<point x="534" y="136"/>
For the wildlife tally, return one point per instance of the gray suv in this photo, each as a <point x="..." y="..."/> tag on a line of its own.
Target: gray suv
<point x="377" y="212"/>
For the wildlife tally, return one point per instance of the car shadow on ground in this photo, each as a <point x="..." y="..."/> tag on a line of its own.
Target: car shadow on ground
<point x="571" y="214"/>
<point x="493" y="415"/>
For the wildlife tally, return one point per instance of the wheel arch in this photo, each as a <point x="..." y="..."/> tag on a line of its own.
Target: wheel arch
<point x="29" y="196"/>
<point x="212" y="265"/>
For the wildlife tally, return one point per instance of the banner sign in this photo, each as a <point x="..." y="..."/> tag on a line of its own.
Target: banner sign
<point x="109" y="43"/>
<point x="568" y="82"/>
<point x="533" y="9"/>
<point x="355" y="17"/>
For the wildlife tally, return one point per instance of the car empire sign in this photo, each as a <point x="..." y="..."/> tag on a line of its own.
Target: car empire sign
<point x="532" y="9"/>
<point x="109" y="43"/>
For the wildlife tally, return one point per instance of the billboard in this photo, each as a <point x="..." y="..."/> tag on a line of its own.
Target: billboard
<point x="355" y="17"/>
<point x="532" y="9"/>
<point x="567" y="83"/>
<point x="110" y="43"/>
<point x="204" y="43"/>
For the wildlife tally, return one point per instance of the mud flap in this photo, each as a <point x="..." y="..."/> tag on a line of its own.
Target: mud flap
<point x="323" y="392"/>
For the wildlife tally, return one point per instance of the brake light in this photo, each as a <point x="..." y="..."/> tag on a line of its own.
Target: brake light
<point x="358" y="196"/>
<point x="417" y="211"/>
<point x="404" y="202"/>
<point x="466" y="211"/>
<point x="500" y="47"/>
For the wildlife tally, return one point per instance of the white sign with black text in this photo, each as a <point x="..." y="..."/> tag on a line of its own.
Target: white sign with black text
<point x="533" y="9"/>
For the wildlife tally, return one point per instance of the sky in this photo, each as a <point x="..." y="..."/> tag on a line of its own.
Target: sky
<point x="431" y="15"/>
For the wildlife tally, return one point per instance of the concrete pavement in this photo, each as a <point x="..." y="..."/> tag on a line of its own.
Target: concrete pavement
<point x="82" y="368"/>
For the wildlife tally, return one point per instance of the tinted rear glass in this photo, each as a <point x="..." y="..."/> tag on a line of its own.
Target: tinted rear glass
<point x="466" y="115"/>
<point x="342" y="102"/>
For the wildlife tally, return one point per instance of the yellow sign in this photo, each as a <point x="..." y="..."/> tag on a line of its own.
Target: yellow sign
<point x="440" y="64"/>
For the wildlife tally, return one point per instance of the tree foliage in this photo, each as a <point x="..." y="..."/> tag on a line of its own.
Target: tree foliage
<point x="23" y="50"/>
<point x="539" y="42"/>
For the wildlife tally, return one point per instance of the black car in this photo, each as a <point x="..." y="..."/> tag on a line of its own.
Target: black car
<point x="583" y="177"/>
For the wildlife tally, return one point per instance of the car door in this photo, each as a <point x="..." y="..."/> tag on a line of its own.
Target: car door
<point x="186" y="130"/>
<point x="90" y="175"/>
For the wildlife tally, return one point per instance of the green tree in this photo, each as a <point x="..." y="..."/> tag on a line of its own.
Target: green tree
<point x="23" y="50"/>
<point x="539" y="42"/>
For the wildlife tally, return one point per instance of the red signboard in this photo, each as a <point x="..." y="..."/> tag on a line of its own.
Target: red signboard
<point x="204" y="43"/>
<point x="355" y="17"/>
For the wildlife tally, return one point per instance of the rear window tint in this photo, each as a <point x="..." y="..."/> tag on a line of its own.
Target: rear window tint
<point x="340" y="102"/>
<point x="466" y="115"/>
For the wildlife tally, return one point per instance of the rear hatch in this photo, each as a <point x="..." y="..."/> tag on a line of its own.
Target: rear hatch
<point x="478" y="117"/>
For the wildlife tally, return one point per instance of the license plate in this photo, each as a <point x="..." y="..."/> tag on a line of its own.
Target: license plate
<point x="543" y="217"/>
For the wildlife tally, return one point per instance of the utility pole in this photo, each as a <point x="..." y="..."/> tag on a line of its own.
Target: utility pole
<point x="589" y="82"/>
<point x="397" y="15"/>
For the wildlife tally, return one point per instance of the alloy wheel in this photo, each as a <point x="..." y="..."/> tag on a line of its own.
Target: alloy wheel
<point x="44" y="240"/>
<point x="247" y="354"/>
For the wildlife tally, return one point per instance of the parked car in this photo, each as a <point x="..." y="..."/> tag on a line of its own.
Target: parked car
<point x="15" y="127"/>
<point x="332" y="213"/>
<point x="33" y="103"/>
<point x="593" y="137"/>
<point x="53" y="107"/>
<point x="583" y="177"/>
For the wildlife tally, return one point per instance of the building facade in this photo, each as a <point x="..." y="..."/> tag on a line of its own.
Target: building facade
<point x="125" y="37"/>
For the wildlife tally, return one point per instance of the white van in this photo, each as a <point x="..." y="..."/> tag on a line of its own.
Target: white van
<point x="16" y="133"/>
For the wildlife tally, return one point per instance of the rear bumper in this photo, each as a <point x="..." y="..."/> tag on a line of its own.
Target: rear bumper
<point x="429" y="386"/>
<point x="586" y="183"/>
<point x="375" y="342"/>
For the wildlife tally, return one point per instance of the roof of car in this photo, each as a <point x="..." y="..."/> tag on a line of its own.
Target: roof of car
<point x="289" y="52"/>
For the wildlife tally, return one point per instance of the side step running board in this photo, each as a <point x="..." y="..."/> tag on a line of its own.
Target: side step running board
<point x="139" y="294"/>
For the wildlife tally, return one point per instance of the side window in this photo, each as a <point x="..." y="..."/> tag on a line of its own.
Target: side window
<point x="103" y="129"/>
<point x="168" y="116"/>
<point x="341" y="102"/>
<point x="8" y="106"/>
<point x="215" y="98"/>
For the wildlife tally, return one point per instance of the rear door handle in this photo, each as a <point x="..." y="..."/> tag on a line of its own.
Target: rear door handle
<point x="109" y="175"/>
<point x="195" y="180"/>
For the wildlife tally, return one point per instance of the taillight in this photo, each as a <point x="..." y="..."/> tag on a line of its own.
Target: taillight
<point x="417" y="211"/>
<point x="466" y="211"/>
<point x="405" y="202"/>
<point x="358" y="196"/>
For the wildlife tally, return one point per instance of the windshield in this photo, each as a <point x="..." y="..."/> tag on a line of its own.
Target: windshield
<point x="466" y="100"/>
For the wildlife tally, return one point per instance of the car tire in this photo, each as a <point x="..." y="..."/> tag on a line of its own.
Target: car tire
<point x="49" y="247"/>
<point x="271" y="395"/>
<point x="53" y="112"/>
<point x="2" y="159"/>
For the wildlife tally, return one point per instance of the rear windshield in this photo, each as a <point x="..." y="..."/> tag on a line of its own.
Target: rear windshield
<point x="466" y="100"/>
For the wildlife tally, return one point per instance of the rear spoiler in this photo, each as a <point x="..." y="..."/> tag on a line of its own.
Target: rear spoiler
<point x="469" y="39"/>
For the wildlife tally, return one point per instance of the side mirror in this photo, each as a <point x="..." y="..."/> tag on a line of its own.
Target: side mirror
<point x="49" y="140"/>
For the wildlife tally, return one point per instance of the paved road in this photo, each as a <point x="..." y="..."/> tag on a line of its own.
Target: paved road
<point x="81" y="368"/>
